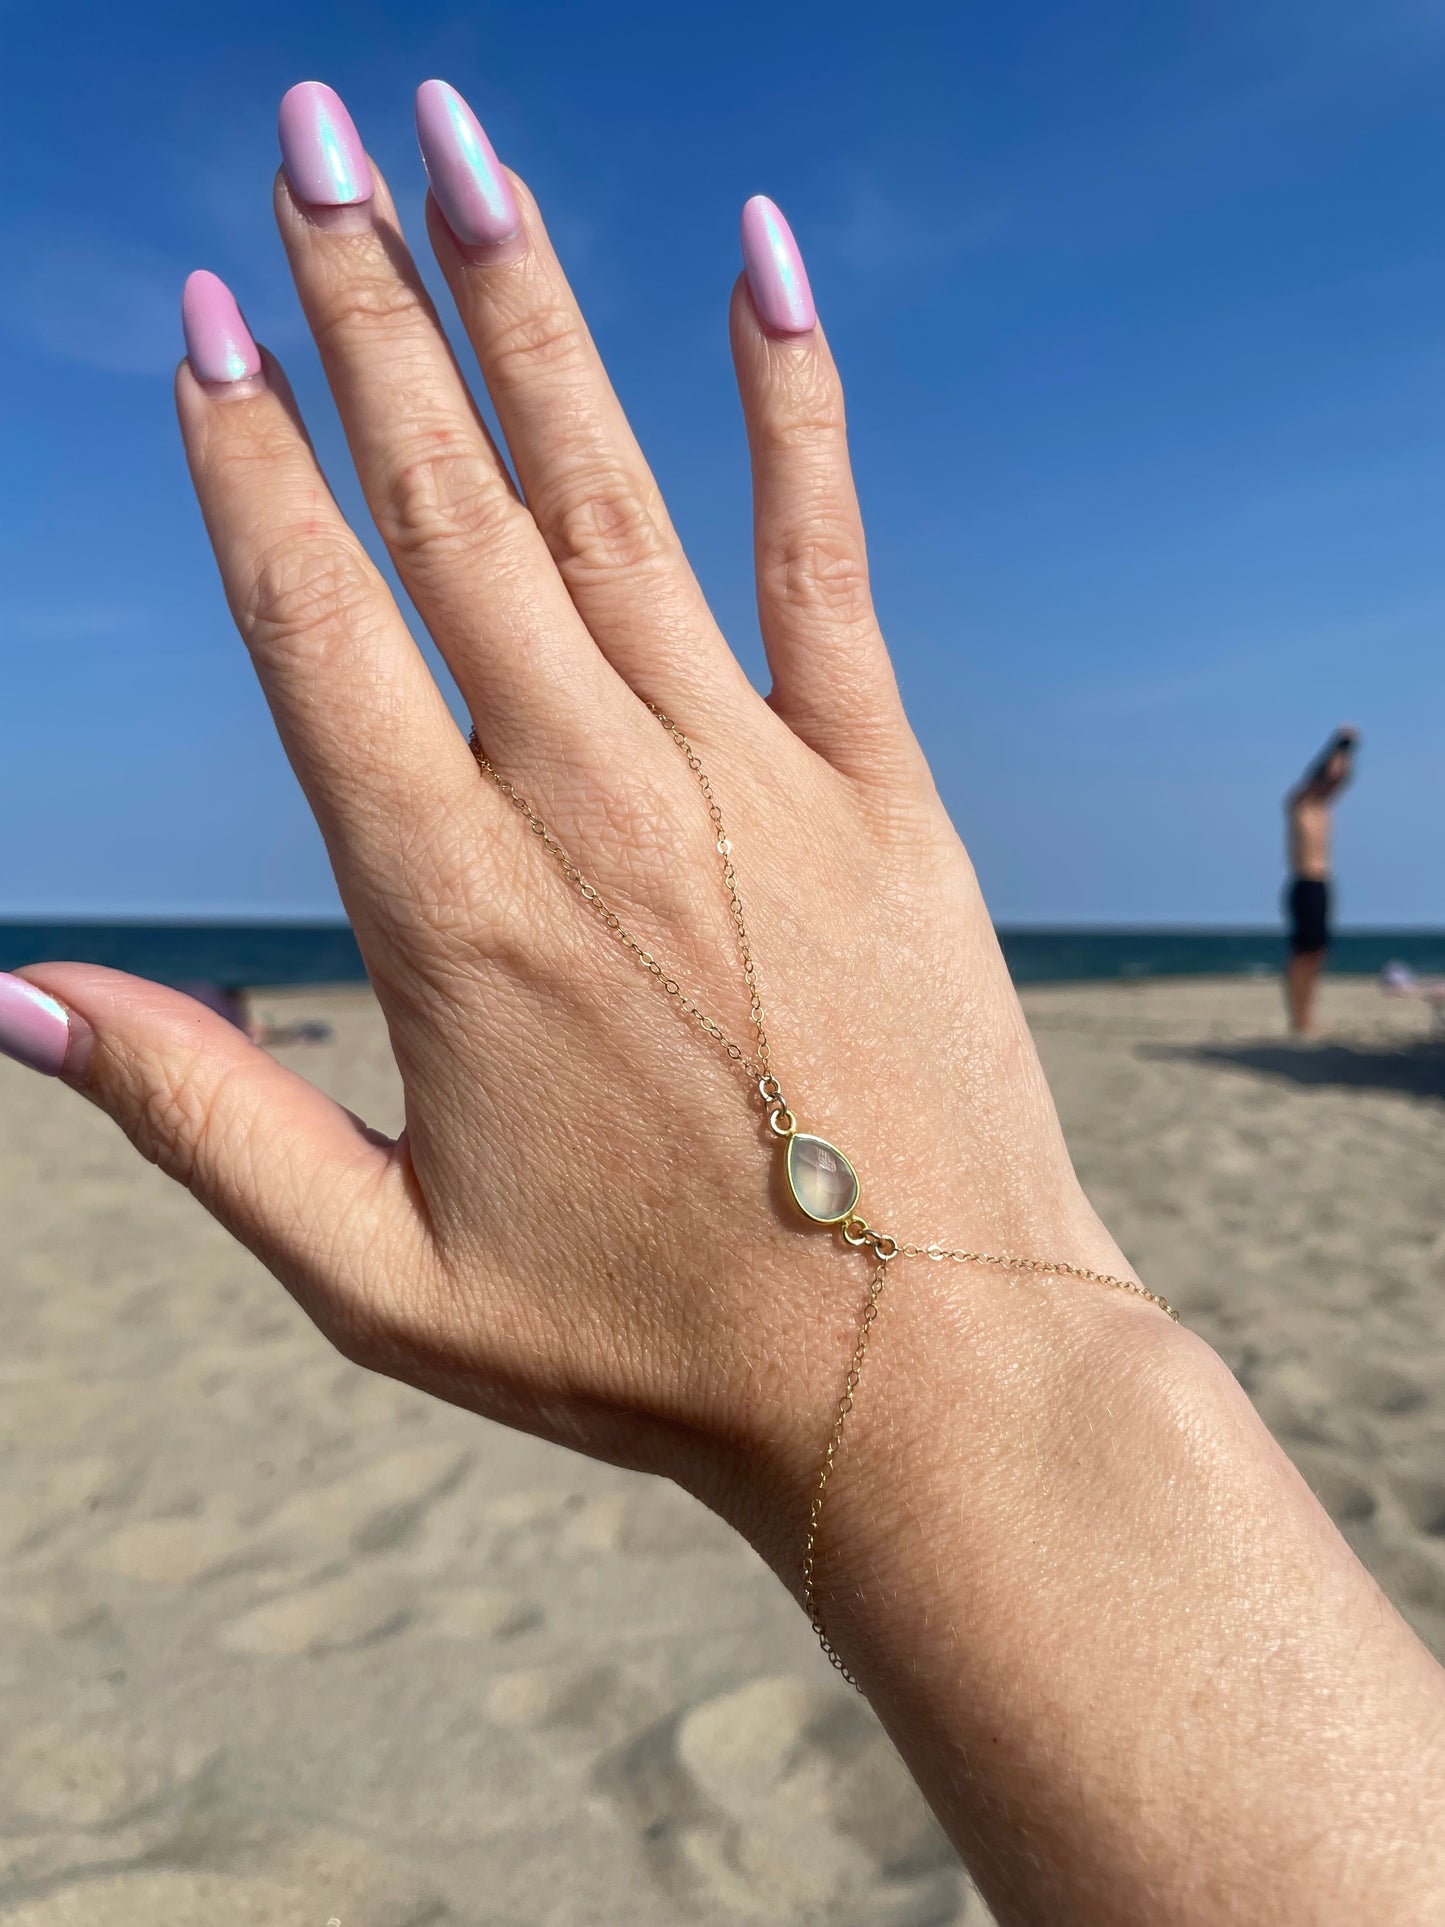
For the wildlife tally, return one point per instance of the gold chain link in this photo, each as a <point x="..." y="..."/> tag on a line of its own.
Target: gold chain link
<point x="855" y="1231"/>
<point x="830" y="1455"/>
<point x="754" y="1063"/>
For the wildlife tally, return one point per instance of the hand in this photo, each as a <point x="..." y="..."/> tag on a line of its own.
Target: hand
<point x="1086" y="1591"/>
<point x="581" y="1231"/>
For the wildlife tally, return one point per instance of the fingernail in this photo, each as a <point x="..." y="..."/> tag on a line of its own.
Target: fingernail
<point x="218" y="342"/>
<point x="777" y="279"/>
<point x="321" y="150"/>
<point x="34" y="1029"/>
<point x="466" y="176"/>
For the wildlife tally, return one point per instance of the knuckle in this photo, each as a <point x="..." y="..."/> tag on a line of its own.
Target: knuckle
<point x="175" y="1123"/>
<point x="306" y="592"/>
<point x="603" y="523"/>
<point x="381" y="307"/>
<point x="444" y="498"/>
<point x="548" y="338"/>
<point x="799" y="429"/>
<point x="804" y="409"/>
<point x="256" y="454"/>
<point x="819" y="567"/>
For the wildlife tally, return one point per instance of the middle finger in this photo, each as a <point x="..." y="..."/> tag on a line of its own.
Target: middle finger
<point x="584" y="477"/>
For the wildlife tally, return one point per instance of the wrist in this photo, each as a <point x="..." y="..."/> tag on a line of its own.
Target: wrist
<point x="968" y="1369"/>
<point x="1079" y="1582"/>
<point x="984" y="1398"/>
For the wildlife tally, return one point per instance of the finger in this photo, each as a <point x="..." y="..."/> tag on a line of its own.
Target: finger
<point x="363" y="722"/>
<point x="464" y="545"/>
<point x="321" y="1201"/>
<point x="581" y="471"/>
<point x="832" y="681"/>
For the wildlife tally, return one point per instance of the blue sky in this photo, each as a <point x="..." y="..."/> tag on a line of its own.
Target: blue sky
<point x="1142" y="314"/>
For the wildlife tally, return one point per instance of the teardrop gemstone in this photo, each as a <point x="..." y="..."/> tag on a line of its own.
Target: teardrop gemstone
<point x="822" y="1181"/>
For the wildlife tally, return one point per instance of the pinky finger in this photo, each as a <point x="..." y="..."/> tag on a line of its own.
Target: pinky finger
<point x="832" y="681"/>
<point x="285" y="1169"/>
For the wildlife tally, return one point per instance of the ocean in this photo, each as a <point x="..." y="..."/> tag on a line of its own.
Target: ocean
<point x="326" y="953"/>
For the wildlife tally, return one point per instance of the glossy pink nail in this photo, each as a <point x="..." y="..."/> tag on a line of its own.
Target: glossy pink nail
<point x="466" y="177"/>
<point x="218" y="342"/>
<point x="777" y="279"/>
<point x="34" y="1029"/>
<point x="321" y="150"/>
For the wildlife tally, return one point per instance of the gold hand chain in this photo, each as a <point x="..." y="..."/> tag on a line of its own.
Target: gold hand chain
<point x="823" y="1183"/>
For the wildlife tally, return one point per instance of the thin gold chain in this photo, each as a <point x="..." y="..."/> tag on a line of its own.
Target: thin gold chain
<point x="885" y="1250"/>
<point x="855" y="1230"/>
<point x="754" y="1062"/>
<point x="820" y="1491"/>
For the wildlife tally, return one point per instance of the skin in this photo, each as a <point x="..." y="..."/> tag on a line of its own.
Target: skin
<point x="1136" y="1671"/>
<point x="1301" y="983"/>
<point x="1307" y="810"/>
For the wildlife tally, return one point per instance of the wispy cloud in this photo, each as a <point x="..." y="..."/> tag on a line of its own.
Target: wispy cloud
<point x="1240" y="663"/>
<point x="877" y="229"/>
<point x="115" y="307"/>
<point x="56" y="620"/>
<point x="86" y="299"/>
<point x="1333" y="34"/>
<point x="1144" y="695"/>
<point x="1266" y="79"/>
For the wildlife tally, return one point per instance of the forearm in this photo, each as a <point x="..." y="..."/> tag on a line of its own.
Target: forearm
<point x="1123" y="1650"/>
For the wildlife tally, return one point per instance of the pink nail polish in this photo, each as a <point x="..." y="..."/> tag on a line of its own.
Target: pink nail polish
<point x="321" y="150"/>
<point x="218" y="342"/>
<point x="466" y="176"/>
<point x="777" y="279"/>
<point x="34" y="1029"/>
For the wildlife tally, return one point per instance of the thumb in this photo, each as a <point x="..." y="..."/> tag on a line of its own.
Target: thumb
<point x="284" y="1168"/>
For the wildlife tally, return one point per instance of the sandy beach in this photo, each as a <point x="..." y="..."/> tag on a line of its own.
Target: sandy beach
<point x="288" y="1646"/>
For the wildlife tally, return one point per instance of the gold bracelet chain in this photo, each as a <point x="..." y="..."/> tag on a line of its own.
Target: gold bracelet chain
<point x="821" y="1179"/>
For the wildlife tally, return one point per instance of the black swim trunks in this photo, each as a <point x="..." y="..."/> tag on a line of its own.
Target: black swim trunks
<point x="1307" y="907"/>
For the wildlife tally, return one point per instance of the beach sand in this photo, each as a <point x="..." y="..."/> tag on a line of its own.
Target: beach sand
<point x="285" y="1645"/>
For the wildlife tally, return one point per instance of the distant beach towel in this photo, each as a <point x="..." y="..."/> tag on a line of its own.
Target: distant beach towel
<point x="1399" y="980"/>
<point x="229" y="1001"/>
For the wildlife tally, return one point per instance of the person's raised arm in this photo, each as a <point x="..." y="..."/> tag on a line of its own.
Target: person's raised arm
<point x="1139" y="1675"/>
<point x="1331" y="770"/>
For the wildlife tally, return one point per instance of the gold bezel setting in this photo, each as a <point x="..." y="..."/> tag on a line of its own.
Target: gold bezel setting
<point x="799" y="1138"/>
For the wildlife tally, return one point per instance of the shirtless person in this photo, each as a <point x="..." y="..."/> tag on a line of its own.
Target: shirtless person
<point x="1307" y="900"/>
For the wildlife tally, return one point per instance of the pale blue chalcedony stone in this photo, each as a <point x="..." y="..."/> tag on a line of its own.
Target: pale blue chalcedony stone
<point x="821" y="1179"/>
